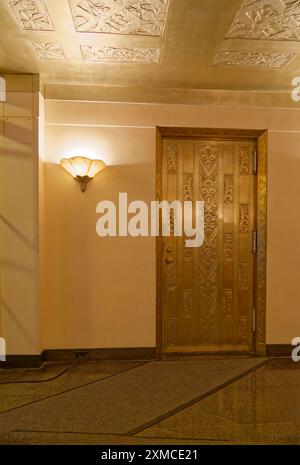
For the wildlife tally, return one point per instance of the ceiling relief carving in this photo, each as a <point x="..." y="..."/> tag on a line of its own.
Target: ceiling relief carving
<point x="67" y="40"/>
<point x="49" y="51"/>
<point x="245" y="59"/>
<point x="120" y="55"/>
<point x="267" y="19"/>
<point x="136" y="17"/>
<point x="31" y="14"/>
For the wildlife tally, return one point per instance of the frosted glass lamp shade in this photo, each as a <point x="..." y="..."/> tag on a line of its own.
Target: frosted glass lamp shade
<point x="82" y="169"/>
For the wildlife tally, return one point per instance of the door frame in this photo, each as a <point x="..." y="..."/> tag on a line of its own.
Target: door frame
<point x="260" y="265"/>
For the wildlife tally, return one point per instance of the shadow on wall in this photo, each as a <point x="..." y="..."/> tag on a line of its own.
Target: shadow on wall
<point x="21" y="133"/>
<point x="22" y="331"/>
<point x="25" y="153"/>
<point x="18" y="233"/>
<point x="18" y="265"/>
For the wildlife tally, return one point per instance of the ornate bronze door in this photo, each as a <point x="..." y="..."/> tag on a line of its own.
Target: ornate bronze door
<point x="208" y="292"/>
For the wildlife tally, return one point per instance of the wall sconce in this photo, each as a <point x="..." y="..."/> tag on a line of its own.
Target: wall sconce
<point x="82" y="169"/>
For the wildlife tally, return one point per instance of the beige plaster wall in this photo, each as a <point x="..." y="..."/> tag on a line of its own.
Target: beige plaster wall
<point x="101" y="292"/>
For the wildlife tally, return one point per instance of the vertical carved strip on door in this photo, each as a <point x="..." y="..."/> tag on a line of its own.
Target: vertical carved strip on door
<point x="246" y="226"/>
<point x="208" y="162"/>
<point x="228" y="252"/>
<point x="187" y="257"/>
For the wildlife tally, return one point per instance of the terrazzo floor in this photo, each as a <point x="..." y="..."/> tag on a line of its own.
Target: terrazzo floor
<point x="232" y="401"/>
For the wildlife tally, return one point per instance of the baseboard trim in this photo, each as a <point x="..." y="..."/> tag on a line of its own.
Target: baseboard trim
<point x="22" y="361"/>
<point x="108" y="354"/>
<point x="128" y="353"/>
<point x="68" y="355"/>
<point x="279" y="350"/>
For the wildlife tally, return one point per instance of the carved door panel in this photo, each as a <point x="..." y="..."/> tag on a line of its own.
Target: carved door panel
<point x="207" y="292"/>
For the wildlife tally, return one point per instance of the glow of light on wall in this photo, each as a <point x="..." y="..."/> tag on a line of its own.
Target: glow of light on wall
<point x="90" y="151"/>
<point x="78" y="151"/>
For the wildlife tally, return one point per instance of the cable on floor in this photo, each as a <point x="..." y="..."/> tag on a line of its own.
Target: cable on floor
<point x="68" y="368"/>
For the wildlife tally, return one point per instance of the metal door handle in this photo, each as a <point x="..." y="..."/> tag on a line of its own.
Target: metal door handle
<point x="169" y="261"/>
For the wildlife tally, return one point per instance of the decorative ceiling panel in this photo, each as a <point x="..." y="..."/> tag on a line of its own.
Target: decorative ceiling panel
<point x="267" y="19"/>
<point x="49" y="51"/>
<point x="132" y="33"/>
<point x="31" y="14"/>
<point x="137" y="17"/>
<point x="124" y="55"/>
<point x="245" y="59"/>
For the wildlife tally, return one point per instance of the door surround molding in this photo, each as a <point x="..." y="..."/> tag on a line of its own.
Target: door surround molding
<point x="261" y="137"/>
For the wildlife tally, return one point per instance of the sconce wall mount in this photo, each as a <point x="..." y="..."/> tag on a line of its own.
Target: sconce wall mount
<point x="83" y="182"/>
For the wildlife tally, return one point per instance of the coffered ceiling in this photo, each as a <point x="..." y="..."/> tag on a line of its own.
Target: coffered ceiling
<point x="178" y="44"/>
